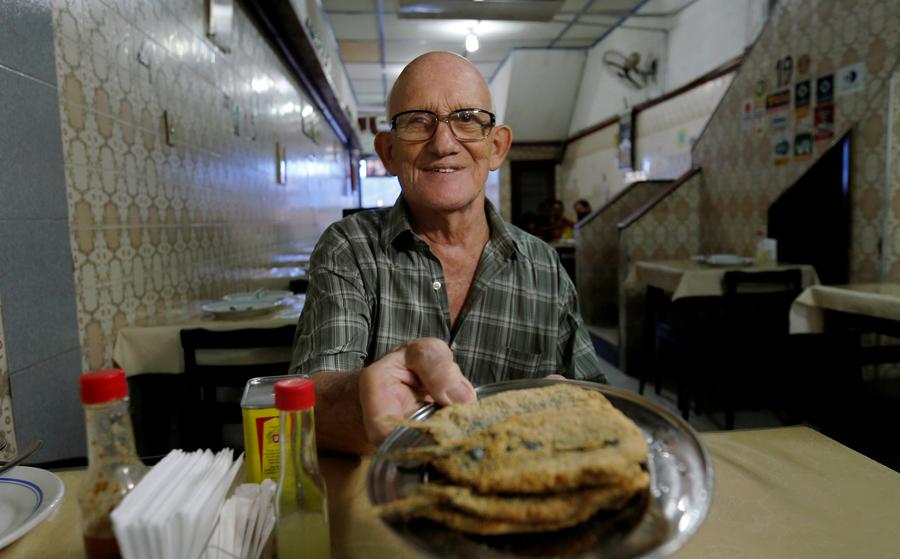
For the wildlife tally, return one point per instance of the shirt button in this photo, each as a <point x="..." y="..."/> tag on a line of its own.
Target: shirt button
<point x="436" y="285"/>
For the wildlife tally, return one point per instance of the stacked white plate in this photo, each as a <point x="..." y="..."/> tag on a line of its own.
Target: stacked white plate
<point x="247" y="304"/>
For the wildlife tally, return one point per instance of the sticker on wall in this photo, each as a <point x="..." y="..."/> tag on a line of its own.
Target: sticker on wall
<point x="779" y="122"/>
<point x="747" y="114"/>
<point x="825" y="89"/>
<point x="759" y="114"/>
<point x="824" y="122"/>
<point x="802" y="96"/>
<point x="803" y="63"/>
<point x="850" y="79"/>
<point x="781" y="147"/>
<point x="778" y="101"/>
<point x="784" y="70"/>
<point x="683" y="140"/>
<point x="803" y="140"/>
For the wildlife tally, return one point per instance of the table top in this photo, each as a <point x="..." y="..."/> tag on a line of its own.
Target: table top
<point x="789" y="492"/>
<point x="692" y="278"/>
<point x="157" y="348"/>
<point x="876" y="300"/>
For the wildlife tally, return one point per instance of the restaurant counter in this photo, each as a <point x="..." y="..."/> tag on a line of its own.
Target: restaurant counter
<point x="788" y="492"/>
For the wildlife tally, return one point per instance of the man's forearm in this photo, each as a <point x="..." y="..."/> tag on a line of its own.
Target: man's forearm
<point x="339" y="423"/>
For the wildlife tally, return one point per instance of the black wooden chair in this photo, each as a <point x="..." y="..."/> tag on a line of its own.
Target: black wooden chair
<point x="679" y="331"/>
<point x="218" y="387"/>
<point x="726" y="341"/>
<point x="298" y="286"/>
<point x="753" y="342"/>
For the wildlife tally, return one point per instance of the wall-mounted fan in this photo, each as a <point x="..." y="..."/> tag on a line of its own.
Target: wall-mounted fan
<point x="628" y="68"/>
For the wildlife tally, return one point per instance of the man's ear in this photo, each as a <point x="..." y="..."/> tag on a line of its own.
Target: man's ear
<point x="501" y="140"/>
<point x="385" y="149"/>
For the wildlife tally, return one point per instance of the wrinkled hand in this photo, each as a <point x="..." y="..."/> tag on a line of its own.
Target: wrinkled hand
<point x="415" y="373"/>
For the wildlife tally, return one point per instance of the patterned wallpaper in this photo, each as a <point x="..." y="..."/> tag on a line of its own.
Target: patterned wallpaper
<point x="891" y="208"/>
<point x="158" y="222"/>
<point x="7" y="427"/>
<point x="597" y="257"/>
<point x="671" y="230"/>
<point x="740" y="177"/>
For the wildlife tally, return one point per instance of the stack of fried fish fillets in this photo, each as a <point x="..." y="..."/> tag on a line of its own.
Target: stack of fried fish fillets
<point x="528" y="460"/>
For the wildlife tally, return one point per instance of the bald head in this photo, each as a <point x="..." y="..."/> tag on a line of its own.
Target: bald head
<point x="448" y="78"/>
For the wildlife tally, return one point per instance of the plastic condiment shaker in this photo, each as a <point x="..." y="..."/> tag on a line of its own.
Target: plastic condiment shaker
<point x="303" y="529"/>
<point x="113" y="464"/>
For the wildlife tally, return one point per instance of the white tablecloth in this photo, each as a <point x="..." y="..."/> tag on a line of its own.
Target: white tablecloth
<point x="688" y="278"/>
<point x="157" y="348"/>
<point x="877" y="300"/>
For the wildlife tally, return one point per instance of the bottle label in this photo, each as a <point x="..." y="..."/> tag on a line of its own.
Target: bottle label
<point x="261" y="444"/>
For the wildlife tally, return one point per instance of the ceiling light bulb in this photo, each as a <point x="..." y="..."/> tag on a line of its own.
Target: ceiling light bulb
<point x="471" y="42"/>
<point x="307" y="110"/>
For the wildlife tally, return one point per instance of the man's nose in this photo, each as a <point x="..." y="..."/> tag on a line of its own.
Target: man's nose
<point x="443" y="142"/>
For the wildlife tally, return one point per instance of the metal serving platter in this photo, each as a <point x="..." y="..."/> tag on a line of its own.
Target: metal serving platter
<point x="681" y="491"/>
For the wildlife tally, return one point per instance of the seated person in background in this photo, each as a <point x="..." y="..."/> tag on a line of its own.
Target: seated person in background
<point x="424" y="300"/>
<point x="582" y="209"/>
<point x="556" y="225"/>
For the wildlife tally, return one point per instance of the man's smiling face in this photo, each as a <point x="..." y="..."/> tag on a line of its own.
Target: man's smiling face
<point x="442" y="173"/>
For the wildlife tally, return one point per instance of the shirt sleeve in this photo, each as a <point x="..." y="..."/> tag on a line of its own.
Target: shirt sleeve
<point x="333" y="330"/>
<point x="575" y="349"/>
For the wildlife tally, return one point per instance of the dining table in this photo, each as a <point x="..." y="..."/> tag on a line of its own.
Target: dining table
<point x="697" y="278"/>
<point x="877" y="300"/>
<point x="156" y="348"/>
<point x="787" y="492"/>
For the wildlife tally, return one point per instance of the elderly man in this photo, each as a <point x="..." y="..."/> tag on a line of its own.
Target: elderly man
<point x="422" y="301"/>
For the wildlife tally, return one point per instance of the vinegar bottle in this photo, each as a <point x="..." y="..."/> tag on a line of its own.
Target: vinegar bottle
<point x="113" y="464"/>
<point x="303" y="530"/>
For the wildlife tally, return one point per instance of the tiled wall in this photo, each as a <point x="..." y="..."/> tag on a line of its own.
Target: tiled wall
<point x="741" y="179"/>
<point x="158" y="224"/>
<point x="589" y="169"/>
<point x="7" y="425"/>
<point x="41" y="352"/>
<point x="664" y="132"/>
<point x="597" y="257"/>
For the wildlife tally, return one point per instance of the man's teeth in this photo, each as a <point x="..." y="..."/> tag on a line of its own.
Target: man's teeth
<point x="442" y="170"/>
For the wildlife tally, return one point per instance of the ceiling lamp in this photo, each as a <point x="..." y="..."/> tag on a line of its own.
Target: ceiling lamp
<point x="471" y="42"/>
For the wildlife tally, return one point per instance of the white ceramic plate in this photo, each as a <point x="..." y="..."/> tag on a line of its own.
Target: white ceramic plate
<point x="27" y="495"/>
<point x="241" y="309"/>
<point x="267" y="295"/>
<point x="728" y="260"/>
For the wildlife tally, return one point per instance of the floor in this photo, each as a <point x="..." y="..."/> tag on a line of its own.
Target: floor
<point x="744" y="419"/>
<point x="887" y="453"/>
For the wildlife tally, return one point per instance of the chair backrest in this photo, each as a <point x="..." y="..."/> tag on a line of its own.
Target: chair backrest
<point x="218" y="387"/>
<point x="760" y="301"/>
<point x="298" y="286"/>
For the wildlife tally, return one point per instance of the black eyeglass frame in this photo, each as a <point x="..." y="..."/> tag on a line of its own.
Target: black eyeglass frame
<point x="446" y="119"/>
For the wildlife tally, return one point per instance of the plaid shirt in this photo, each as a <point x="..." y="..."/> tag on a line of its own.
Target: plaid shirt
<point x="375" y="284"/>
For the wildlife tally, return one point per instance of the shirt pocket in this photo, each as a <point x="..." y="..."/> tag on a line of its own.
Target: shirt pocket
<point x="522" y="363"/>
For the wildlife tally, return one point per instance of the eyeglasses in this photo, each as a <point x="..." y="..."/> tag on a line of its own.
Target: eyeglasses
<point x="467" y="125"/>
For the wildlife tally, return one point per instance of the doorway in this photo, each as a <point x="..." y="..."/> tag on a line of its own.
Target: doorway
<point x="531" y="182"/>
